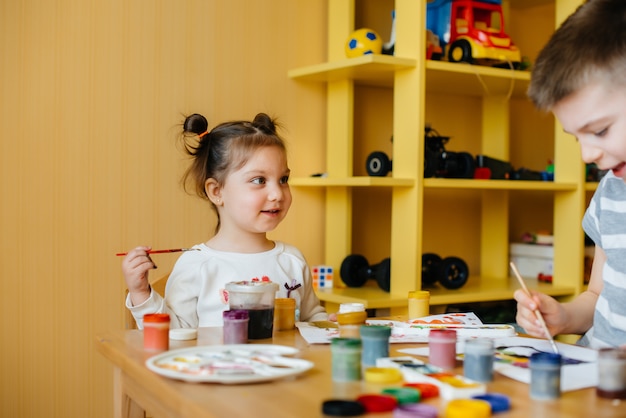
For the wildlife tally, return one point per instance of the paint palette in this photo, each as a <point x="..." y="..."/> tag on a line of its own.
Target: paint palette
<point x="229" y="364"/>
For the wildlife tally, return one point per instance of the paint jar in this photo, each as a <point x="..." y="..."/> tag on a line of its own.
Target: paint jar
<point x="284" y="314"/>
<point x="478" y="359"/>
<point x="419" y="304"/>
<point x="235" y="326"/>
<point x="442" y="348"/>
<point x="256" y="297"/>
<point x="156" y="332"/>
<point x="375" y="340"/>
<point x="545" y="376"/>
<point x="612" y="373"/>
<point x="350" y="317"/>
<point x="346" y="359"/>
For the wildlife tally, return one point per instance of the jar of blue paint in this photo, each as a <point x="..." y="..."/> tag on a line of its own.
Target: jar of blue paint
<point x="375" y="340"/>
<point x="545" y="376"/>
<point x="478" y="359"/>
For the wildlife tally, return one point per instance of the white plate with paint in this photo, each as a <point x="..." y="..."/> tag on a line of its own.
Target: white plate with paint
<point x="229" y="364"/>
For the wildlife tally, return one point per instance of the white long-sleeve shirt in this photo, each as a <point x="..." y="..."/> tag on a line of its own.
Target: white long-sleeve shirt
<point x="194" y="293"/>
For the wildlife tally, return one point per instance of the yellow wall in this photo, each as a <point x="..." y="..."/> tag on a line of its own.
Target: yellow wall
<point x="91" y="97"/>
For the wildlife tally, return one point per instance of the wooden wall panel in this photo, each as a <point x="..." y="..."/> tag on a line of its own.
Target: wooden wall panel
<point x="92" y="95"/>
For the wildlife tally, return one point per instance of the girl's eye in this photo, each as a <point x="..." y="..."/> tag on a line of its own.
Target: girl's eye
<point x="258" y="180"/>
<point x="602" y="133"/>
<point x="284" y="180"/>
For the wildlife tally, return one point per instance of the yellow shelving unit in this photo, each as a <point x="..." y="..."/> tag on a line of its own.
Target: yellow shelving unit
<point x="410" y="78"/>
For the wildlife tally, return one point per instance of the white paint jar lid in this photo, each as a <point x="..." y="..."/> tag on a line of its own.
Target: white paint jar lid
<point x="183" y="334"/>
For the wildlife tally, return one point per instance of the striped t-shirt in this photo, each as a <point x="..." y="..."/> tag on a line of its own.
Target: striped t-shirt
<point x="605" y="223"/>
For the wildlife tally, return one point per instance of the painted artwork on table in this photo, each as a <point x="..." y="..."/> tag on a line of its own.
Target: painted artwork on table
<point x="519" y="355"/>
<point x="467" y="325"/>
<point x="580" y="368"/>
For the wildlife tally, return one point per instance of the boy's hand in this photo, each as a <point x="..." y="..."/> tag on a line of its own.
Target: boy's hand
<point x="136" y="266"/>
<point x="552" y="311"/>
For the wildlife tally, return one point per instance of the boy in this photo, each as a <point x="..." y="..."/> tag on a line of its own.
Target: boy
<point x="580" y="76"/>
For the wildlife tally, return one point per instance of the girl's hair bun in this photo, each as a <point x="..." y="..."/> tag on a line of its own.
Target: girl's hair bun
<point x="264" y="123"/>
<point x="196" y="124"/>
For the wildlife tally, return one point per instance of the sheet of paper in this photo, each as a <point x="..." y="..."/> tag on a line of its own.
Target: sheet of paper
<point x="467" y="325"/>
<point x="322" y="332"/>
<point x="318" y="332"/>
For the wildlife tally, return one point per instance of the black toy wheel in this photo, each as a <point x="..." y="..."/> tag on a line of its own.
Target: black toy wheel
<point x="383" y="274"/>
<point x="431" y="263"/>
<point x="460" y="51"/>
<point x="378" y="164"/>
<point x="466" y="161"/>
<point x="464" y="166"/>
<point x="454" y="273"/>
<point x="353" y="270"/>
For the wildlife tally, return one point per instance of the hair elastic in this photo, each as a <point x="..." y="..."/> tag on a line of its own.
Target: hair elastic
<point x="202" y="134"/>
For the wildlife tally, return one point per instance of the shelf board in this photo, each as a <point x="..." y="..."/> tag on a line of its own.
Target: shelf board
<point x="433" y="183"/>
<point x="482" y="289"/>
<point x="441" y="76"/>
<point x="371" y="296"/>
<point x="477" y="289"/>
<point x="522" y="4"/>
<point x="373" y="69"/>
<point x="360" y="181"/>
<point x="475" y="80"/>
<point x="443" y="183"/>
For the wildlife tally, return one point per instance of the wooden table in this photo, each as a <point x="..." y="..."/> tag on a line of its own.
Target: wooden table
<point x="137" y="388"/>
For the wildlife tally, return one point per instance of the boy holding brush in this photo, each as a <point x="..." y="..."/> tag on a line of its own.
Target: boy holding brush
<point x="580" y="76"/>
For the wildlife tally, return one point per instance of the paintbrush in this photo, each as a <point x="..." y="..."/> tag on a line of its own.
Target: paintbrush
<point x="171" y="250"/>
<point x="537" y="312"/>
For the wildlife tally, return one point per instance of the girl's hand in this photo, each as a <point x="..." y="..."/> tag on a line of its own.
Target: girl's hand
<point x="552" y="311"/>
<point x="135" y="267"/>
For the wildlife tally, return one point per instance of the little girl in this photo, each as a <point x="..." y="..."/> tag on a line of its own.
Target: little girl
<point x="241" y="168"/>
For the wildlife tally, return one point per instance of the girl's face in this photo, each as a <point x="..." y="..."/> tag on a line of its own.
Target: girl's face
<point x="256" y="197"/>
<point x="596" y="116"/>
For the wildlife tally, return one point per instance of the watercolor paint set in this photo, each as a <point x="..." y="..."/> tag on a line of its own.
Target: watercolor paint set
<point x="451" y="386"/>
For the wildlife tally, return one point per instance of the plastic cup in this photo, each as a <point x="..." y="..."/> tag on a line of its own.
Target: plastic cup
<point x="257" y="297"/>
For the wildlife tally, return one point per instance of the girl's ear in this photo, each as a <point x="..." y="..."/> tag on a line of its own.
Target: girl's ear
<point x="213" y="191"/>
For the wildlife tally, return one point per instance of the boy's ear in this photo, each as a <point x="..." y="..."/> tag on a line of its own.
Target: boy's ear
<point x="213" y="191"/>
